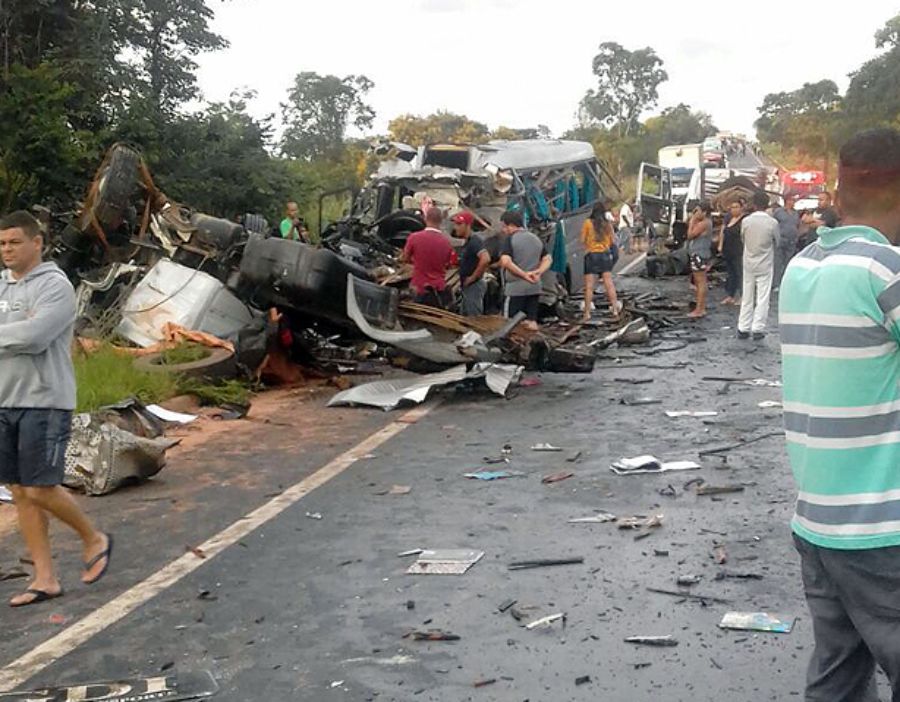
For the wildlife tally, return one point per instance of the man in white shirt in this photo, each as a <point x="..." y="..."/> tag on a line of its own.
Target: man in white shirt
<point x="760" y="234"/>
<point x="626" y="226"/>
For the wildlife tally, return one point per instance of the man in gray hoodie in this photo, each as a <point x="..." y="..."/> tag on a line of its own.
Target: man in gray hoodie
<point x="37" y="397"/>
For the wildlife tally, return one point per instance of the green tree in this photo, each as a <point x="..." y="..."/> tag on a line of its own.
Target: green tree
<point x="440" y="127"/>
<point x="678" y="125"/>
<point x="42" y="159"/>
<point x="627" y="86"/>
<point x="873" y="96"/>
<point x="167" y="35"/>
<point x="319" y="111"/>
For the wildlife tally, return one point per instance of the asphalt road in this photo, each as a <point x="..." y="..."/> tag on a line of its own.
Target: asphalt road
<point x="316" y="609"/>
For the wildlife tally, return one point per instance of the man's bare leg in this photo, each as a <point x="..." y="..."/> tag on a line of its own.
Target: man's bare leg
<point x="60" y="503"/>
<point x="34" y="525"/>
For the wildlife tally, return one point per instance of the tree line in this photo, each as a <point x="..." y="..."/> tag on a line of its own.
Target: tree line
<point x="77" y="77"/>
<point x="806" y="126"/>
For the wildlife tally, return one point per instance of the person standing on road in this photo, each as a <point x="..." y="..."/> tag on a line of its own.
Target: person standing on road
<point x="473" y="262"/>
<point x="625" y="227"/>
<point x="823" y="216"/>
<point x="759" y="231"/>
<point x="292" y="226"/>
<point x="699" y="234"/>
<point x="430" y="252"/>
<point x="524" y="259"/>
<point x="789" y="232"/>
<point x="732" y="250"/>
<point x="599" y="259"/>
<point x="840" y="334"/>
<point x="37" y="398"/>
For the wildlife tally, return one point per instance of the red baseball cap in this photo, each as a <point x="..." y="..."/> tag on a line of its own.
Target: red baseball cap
<point x="462" y="218"/>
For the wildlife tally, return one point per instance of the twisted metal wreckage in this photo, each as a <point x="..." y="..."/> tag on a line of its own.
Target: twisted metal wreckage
<point x="145" y="265"/>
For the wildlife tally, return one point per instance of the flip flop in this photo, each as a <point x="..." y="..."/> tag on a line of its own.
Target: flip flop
<point x="39" y="596"/>
<point x="107" y="554"/>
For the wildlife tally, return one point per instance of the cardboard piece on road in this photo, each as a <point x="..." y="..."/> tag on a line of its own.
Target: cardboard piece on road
<point x="649" y="464"/>
<point x="756" y="621"/>
<point x="445" y="562"/>
<point x="171" y="688"/>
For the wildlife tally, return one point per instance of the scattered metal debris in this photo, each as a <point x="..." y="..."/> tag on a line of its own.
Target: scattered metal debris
<point x="545" y="563"/>
<point x="547" y="621"/>
<point x="659" y="641"/>
<point x="757" y="621"/>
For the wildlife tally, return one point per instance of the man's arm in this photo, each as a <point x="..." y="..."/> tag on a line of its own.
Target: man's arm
<point x="507" y="263"/>
<point x="53" y="313"/>
<point x="484" y="260"/>
<point x="406" y="256"/>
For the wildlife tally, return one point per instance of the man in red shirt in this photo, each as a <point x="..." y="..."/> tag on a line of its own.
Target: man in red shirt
<point x="431" y="254"/>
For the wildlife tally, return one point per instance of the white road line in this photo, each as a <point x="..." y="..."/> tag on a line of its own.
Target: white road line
<point x="632" y="265"/>
<point x="24" y="668"/>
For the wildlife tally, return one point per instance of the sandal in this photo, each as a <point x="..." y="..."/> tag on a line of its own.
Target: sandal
<point x="107" y="554"/>
<point x="39" y="596"/>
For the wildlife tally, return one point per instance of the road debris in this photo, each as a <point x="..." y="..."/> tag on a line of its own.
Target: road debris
<point x="493" y="475"/>
<point x="546" y="447"/>
<point x="720" y="555"/>
<point x="688" y="595"/>
<point x="600" y="518"/>
<point x="583" y="680"/>
<point x="505" y="605"/>
<point x="726" y="575"/>
<point x="431" y="635"/>
<point x="176" y="687"/>
<point x="639" y="401"/>
<point x="659" y="641"/>
<point x="732" y="447"/>
<point x="557" y="477"/>
<point x="314" y="515"/>
<point x="673" y="414"/>
<point x="718" y="489"/>
<point x="688" y="580"/>
<point x="413" y="552"/>
<point x="400" y="490"/>
<point x="770" y="404"/>
<point x="445" y="562"/>
<point x="640" y="522"/>
<point x="649" y="464"/>
<point x="484" y="683"/>
<point x="545" y="563"/>
<point x="757" y="621"/>
<point x="547" y="621"/>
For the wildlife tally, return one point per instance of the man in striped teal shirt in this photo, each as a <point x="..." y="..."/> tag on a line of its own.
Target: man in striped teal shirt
<point x="840" y="336"/>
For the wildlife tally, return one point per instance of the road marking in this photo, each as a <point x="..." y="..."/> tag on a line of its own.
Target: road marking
<point x="29" y="665"/>
<point x="634" y="264"/>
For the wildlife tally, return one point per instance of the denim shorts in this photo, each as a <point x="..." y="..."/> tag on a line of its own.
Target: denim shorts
<point x="33" y="446"/>
<point x="599" y="263"/>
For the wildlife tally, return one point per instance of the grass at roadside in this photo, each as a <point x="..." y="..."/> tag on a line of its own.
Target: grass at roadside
<point x="105" y="377"/>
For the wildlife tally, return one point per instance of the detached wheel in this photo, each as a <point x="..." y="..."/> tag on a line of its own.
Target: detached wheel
<point x="218" y="365"/>
<point x="117" y="184"/>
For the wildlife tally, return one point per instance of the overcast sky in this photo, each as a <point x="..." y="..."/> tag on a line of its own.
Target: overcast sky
<point x="528" y="62"/>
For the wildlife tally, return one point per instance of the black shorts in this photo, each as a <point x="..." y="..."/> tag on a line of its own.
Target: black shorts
<point x="528" y="304"/>
<point x="599" y="263"/>
<point x="33" y="446"/>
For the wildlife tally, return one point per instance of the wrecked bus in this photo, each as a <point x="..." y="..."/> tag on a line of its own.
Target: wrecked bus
<point x="554" y="183"/>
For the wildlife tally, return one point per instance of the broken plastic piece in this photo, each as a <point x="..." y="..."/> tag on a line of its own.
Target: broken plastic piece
<point x="493" y="475"/>
<point x="545" y="447"/>
<point x="649" y="464"/>
<point x="757" y="621"/>
<point x="546" y="621"/>
<point x="769" y="404"/>
<point x="652" y="640"/>
<point x="675" y="414"/>
<point x="601" y="518"/>
<point x="445" y="562"/>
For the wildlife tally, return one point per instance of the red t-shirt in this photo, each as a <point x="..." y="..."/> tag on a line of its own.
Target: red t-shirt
<point x="431" y="254"/>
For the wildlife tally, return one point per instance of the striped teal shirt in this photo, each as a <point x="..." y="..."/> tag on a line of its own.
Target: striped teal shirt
<point x="840" y="342"/>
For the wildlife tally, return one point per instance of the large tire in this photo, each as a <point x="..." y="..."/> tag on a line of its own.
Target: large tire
<point x="219" y="365"/>
<point x="116" y="186"/>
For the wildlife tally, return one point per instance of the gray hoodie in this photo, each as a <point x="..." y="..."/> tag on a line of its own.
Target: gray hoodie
<point x="37" y="314"/>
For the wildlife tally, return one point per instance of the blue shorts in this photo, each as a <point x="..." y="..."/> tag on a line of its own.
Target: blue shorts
<point x="33" y="446"/>
<point x="599" y="263"/>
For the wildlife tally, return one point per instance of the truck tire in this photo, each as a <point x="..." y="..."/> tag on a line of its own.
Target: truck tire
<point x="116" y="186"/>
<point x="220" y="364"/>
